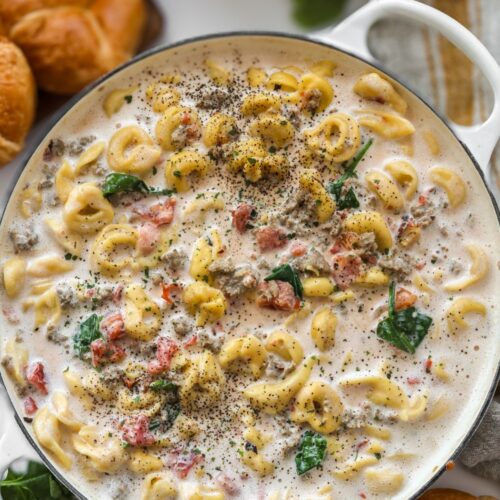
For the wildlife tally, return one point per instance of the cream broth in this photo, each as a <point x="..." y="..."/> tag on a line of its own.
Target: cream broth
<point x="170" y="416"/>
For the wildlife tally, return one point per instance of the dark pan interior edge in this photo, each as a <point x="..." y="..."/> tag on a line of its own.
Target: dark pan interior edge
<point x="69" y="105"/>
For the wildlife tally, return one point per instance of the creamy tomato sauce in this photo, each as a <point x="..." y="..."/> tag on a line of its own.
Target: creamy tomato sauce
<point x="127" y="307"/>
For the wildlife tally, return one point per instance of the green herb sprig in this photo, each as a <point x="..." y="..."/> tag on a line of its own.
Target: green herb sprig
<point x="36" y="483"/>
<point x="404" y="329"/>
<point x="311" y="452"/>
<point x="349" y="200"/>
<point x="287" y="273"/>
<point x="125" y="183"/>
<point x="314" y="13"/>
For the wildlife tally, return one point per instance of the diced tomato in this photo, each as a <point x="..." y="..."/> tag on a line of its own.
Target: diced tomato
<point x="36" y="376"/>
<point x="362" y="494"/>
<point x="241" y="215"/>
<point x="346" y="268"/>
<point x="167" y="289"/>
<point x="277" y="295"/>
<point x="149" y="235"/>
<point x="30" y="406"/>
<point x="270" y="238"/>
<point x="404" y="299"/>
<point x="428" y="365"/>
<point x="165" y="351"/>
<point x="413" y="380"/>
<point x="161" y="213"/>
<point x="191" y="342"/>
<point x="422" y="200"/>
<point x="129" y="382"/>
<point x="181" y="462"/>
<point x="227" y="483"/>
<point x="186" y="118"/>
<point x="116" y="296"/>
<point x="136" y="433"/>
<point x="298" y="249"/>
<point x="420" y="265"/>
<point x="112" y="326"/>
<point x="105" y="352"/>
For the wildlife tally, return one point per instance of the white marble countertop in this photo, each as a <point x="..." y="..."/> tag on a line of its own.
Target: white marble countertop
<point x="187" y="18"/>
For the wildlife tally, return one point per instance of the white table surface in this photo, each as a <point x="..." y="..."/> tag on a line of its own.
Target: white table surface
<point x="187" y="18"/>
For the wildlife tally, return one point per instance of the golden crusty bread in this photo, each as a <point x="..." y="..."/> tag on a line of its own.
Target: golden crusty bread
<point x="17" y="99"/>
<point x="450" y="494"/>
<point x="70" y="43"/>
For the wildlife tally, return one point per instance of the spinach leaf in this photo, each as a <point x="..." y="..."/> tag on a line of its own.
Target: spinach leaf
<point x="405" y="329"/>
<point x="313" y="13"/>
<point x="349" y="200"/>
<point x="125" y="183"/>
<point x="311" y="452"/>
<point x="172" y="410"/>
<point x="287" y="273"/>
<point x="163" y="385"/>
<point x="36" y="483"/>
<point x="88" y="331"/>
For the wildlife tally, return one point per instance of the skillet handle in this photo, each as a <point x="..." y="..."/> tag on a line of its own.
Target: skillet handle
<point x="351" y="35"/>
<point x="13" y="443"/>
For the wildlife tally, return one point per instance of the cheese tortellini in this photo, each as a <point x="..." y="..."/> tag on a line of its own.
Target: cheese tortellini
<point x="107" y="242"/>
<point x="273" y="128"/>
<point x="103" y="453"/>
<point x="48" y="434"/>
<point x="405" y="174"/>
<point x="323" y="327"/>
<point x="370" y="221"/>
<point x="318" y="405"/>
<point x="86" y="211"/>
<point x="207" y="302"/>
<point x="273" y="397"/>
<point x="335" y="139"/>
<point x="132" y="151"/>
<point x="387" y="125"/>
<point x="477" y="271"/>
<point x="254" y="160"/>
<point x="249" y="350"/>
<point x="459" y="308"/>
<point x="16" y="356"/>
<point x="325" y="206"/>
<point x="286" y="346"/>
<point x="14" y="273"/>
<point x="181" y="165"/>
<point x="159" y="485"/>
<point x="451" y="182"/>
<point x="168" y="125"/>
<point x="385" y="189"/>
<point x="203" y="382"/>
<point x="142" y="316"/>
<point x="374" y="88"/>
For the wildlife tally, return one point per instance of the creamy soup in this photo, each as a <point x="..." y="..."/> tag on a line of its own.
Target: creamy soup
<point x="237" y="271"/>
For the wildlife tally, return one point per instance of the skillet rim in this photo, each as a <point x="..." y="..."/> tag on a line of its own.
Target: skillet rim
<point x="68" y="106"/>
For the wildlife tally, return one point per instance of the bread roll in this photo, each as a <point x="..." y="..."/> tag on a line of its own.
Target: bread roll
<point x="70" y="43"/>
<point x="449" y="494"/>
<point x="17" y="100"/>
